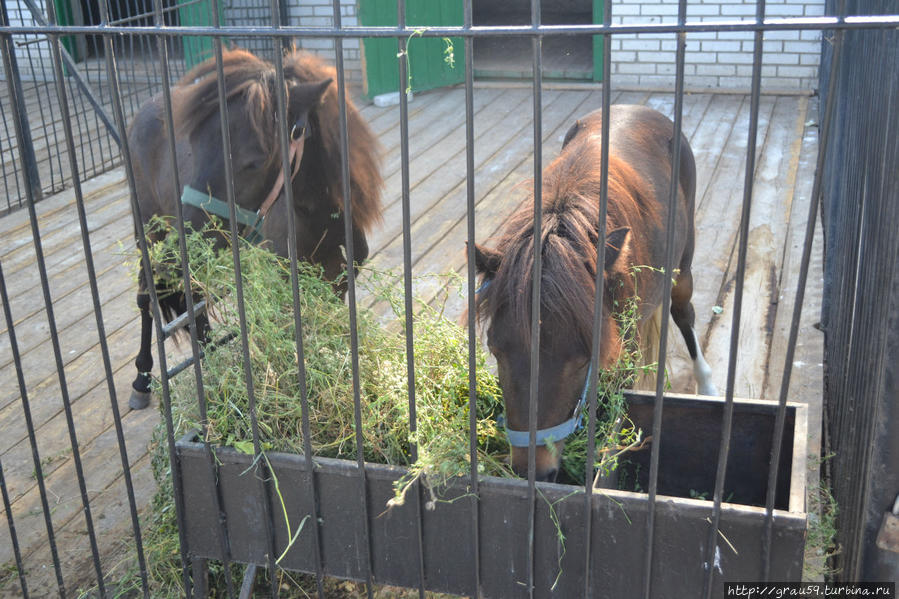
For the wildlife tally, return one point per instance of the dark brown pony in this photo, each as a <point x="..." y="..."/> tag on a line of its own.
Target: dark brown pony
<point x="316" y="177"/>
<point x="640" y="142"/>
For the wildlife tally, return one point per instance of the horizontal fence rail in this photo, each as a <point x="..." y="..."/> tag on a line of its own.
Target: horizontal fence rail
<point x="486" y="536"/>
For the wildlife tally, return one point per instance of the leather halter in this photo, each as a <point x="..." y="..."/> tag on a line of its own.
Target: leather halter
<point x="554" y="433"/>
<point x="251" y="220"/>
<point x="558" y="432"/>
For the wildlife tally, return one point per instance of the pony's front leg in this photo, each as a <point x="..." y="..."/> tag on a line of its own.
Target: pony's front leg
<point x="140" y="388"/>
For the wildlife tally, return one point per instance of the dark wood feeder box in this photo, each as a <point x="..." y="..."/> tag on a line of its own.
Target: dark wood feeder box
<point x="688" y="460"/>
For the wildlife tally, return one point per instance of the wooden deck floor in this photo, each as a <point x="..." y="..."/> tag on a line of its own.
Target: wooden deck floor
<point x="716" y="125"/>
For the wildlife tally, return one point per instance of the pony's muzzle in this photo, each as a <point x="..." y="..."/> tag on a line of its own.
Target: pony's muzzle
<point x="548" y="459"/>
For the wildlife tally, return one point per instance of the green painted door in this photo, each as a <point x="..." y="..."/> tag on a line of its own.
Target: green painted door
<point x="433" y="62"/>
<point x="597" y="41"/>
<point x="65" y="16"/>
<point x="193" y="13"/>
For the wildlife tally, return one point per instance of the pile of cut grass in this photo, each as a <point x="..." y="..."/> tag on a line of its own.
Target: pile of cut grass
<point x="441" y="382"/>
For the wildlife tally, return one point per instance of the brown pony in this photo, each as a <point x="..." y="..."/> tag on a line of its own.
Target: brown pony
<point x="640" y="148"/>
<point x="316" y="174"/>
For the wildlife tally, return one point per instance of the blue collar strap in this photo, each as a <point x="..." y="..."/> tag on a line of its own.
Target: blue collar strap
<point x="558" y="432"/>
<point x="212" y="205"/>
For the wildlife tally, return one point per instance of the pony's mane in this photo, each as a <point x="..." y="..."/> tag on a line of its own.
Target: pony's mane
<point x="569" y="233"/>
<point x="321" y="170"/>
<point x="245" y="74"/>
<point x="325" y="175"/>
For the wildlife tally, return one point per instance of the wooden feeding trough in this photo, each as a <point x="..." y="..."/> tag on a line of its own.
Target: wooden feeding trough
<point x="616" y="539"/>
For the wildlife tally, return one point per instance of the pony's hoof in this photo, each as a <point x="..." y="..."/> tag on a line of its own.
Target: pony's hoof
<point x="139" y="399"/>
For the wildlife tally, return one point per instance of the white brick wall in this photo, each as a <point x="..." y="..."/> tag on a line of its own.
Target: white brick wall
<point x="319" y="13"/>
<point x="716" y="60"/>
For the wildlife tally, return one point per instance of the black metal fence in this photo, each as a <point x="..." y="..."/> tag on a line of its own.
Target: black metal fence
<point x="861" y="295"/>
<point x="41" y="164"/>
<point x="480" y="503"/>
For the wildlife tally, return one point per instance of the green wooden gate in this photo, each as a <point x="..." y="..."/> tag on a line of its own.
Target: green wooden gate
<point x="433" y="62"/>
<point x="197" y="13"/>
<point x="428" y="56"/>
<point x="597" y="41"/>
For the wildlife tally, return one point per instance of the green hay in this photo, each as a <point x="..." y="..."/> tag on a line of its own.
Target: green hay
<point x="441" y="383"/>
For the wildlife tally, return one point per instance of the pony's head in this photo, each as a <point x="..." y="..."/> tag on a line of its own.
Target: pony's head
<point x="568" y="246"/>
<point x="253" y="128"/>
<point x="316" y="177"/>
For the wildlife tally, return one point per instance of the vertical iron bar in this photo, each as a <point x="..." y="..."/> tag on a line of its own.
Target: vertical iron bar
<point x="75" y="72"/>
<point x="593" y="383"/>
<point x="95" y="297"/>
<point x="29" y="424"/>
<point x="20" y="568"/>
<point x="280" y="47"/>
<point x="147" y="272"/>
<point x="472" y="305"/>
<point x="57" y="350"/>
<point x="727" y="416"/>
<point x="212" y="463"/>
<point x="814" y="203"/>
<point x="403" y="46"/>
<point x="23" y="129"/>
<point x="537" y="65"/>
<point x="351" y="296"/>
<point x="666" y="301"/>
<point x="241" y="309"/>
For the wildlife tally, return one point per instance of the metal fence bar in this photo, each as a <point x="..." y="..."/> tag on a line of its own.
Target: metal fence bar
<point x="98" y="314"/>
<point x="727" y="416"/>
<point x="599" y="285"/>
<point x="191" y="310"/>
<point x="11" y="68"/>
<point x="73" y="69"/>
<point x="20" y="568"/>
<point x="351" y="293"/>
<point x="147" y="272"/>
<point x="297" y="310"/>
<point x="261" y="464"/>
<point x="473" y="479"/>
<point x="57" y="350"/>
<point x="536" y="276"/>
<point x="409" y="328"/>
<point x="36" y="458"/>
<point x="668" y="273"/>
<point x="886" y="22"/>
<point x="536" y="33"/>
<point x="814" y="204"/>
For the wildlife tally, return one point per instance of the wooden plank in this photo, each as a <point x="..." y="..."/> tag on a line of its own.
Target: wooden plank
<point x="89" y="398"/>
<point x="56" y="243"/>
<point x="430" y="233"/>
<point x="446" y="158"/>
<point x="495" y="155"/>
<point x="66" y="275"/>
<point x="55" y="211"/>
<point x="62" y="485"/>
<point x="112" y="520"/>
<point x="807" y="369"/>
<point x="428" y="128"/>
<point x="74" y="340"/>
<point x="718" y="224"/>
<point x="387" y="118"/>
<point x="69" y="308"/>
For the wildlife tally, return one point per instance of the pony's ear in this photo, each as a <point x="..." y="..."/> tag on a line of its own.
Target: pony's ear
<point x="617" y="248"/>
<point x="304" y="96"/>
<point x="486" y="260"/>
